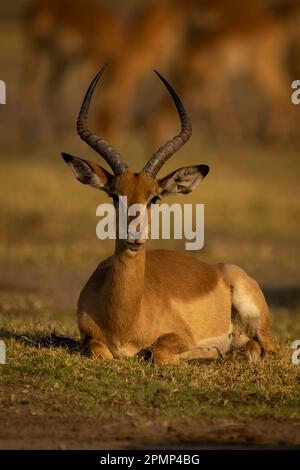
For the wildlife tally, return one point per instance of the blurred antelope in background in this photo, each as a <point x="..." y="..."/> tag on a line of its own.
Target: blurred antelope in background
<point x="63" y="35"/>
<point x="234" y="67"/>
<point x="168" y="301"/>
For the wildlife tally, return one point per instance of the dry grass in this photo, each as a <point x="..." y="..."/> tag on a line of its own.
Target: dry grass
<point x="47" y="374"/>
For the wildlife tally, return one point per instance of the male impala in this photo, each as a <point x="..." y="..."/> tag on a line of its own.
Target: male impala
<point x="167" y="300"/>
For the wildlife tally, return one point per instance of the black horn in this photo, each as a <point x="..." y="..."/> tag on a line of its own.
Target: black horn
<point x="166" y="151"/>
<point x="112" y="157"/>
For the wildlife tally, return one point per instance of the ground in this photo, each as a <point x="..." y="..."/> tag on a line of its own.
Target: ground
<point x="52" y="396"/>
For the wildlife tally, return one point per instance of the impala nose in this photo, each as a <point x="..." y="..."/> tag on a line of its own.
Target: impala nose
<point x="134" y="245"/>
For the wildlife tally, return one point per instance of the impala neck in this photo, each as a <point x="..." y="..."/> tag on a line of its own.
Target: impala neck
<point x="126" y="287"/>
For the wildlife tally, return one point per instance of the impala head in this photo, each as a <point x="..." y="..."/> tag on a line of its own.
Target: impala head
<point x="139" y="188"/>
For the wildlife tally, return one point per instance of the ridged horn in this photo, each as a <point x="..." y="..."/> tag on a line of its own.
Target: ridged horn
<point x="166" y="151"/>
<point x="107" y="151"/>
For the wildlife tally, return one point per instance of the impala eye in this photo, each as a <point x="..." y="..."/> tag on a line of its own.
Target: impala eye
<point x="154" y="199"/>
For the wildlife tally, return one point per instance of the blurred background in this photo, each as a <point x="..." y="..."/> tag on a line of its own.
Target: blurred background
<point x="231" y="62"/>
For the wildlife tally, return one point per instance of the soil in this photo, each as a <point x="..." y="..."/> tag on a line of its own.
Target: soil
<point x="24" y="431"/>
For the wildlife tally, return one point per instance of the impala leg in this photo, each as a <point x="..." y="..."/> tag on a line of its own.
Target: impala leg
<point x="164" y="356"/>
<point x="251" y="310"/>
<point x="168" y="348"/>
<point x="253" y="351"/>
<point x="265" y="340"/>
<point x="201" y="353"/>
<point x="98" y="350"/>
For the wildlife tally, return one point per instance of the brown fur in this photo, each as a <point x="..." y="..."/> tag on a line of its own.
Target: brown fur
<point x="170" y="301"/>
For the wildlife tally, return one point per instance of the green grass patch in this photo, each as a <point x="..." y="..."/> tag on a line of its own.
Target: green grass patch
<point x="47" y="373"/>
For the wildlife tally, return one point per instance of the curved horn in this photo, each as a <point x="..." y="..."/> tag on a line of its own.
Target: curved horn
<point x="169" y="148"/>
<point x="112" y="157"/>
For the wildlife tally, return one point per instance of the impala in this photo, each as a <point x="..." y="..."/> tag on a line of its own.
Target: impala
<point x="168" y="301"/>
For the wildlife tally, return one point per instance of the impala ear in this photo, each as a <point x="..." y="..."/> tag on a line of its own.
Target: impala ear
<point x="182" y="181"/>
<point x="88" y="172"/>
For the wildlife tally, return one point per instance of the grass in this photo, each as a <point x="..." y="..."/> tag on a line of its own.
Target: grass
<point x="48" y="220"/>
<point x="47" y="374"/>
